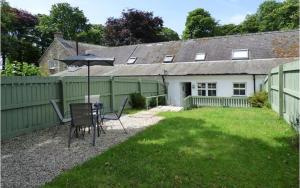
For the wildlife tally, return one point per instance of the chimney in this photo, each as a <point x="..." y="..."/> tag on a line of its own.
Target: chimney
<point x="58" y="35"/>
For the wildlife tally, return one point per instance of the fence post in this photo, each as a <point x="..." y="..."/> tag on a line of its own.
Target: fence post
<point x="63" y="96"/>
<point x="140" y="87"/>
<point x="112" y="94"/>
<point x="269" y="87"/>
<point x="280" y="90"/>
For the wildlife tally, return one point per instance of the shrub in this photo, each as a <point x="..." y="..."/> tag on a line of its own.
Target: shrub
<point x="20" y="69"/>
<point x="152" y="102"/>
<point x="161" y="100"/>
<point x="137" y="100"/>
<point x="259" y="99"/>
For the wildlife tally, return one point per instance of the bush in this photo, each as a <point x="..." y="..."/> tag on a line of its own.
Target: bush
<point x="20" y="69"/>
<point x="259" y="99"/>
<point x="137" y="101"/>
<point x="152" y="102"/>
<point x="162" y="101"/>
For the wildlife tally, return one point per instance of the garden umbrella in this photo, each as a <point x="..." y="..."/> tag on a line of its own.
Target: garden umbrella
<point x="88" y="60"/>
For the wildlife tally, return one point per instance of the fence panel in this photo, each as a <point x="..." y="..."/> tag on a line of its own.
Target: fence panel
<point x="199" y="101"/>
<point x="25" y="104"/>
<point x="25" y="100"/>
<point x="284" y="96"/>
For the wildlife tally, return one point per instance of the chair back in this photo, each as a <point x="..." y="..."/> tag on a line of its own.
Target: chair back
<point x="121" y="109"/>
<point x="56" y="109"/>
<point x="81" y="114"/>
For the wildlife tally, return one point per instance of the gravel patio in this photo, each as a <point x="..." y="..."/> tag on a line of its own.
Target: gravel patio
<point x="31" y="160"/>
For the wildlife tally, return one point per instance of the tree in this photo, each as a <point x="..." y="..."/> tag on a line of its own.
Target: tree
<point x="18" y="41"/>
<point x="133" y="27"/>
<point x="250" y="25"/>
<point x="63" y="18"/>
<point x="21" y="69"/>
<point x="228" y="29"/>
<point x="168" y="34"/>
<point x="199" y="23"/>
<point x="288" y="14"/>
<point x="93" y="35"/>
<point x="266" y="15"/>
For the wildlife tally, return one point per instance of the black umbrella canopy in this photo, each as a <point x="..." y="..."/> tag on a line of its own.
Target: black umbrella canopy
<point x="87" y="59"/>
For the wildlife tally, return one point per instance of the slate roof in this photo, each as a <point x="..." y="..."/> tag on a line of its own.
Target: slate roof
<point x="278" y="44"/>
<point x="259" y="66"/>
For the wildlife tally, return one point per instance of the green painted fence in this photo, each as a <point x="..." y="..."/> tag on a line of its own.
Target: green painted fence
<point x="25" y="103"/>
<point x="199" y="101"/>
<point x="282" y="85"/>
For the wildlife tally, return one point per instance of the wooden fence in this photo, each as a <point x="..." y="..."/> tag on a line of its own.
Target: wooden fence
<point x="282" y="85"/>
<point x="199" y="101"/>
<point x="25" y="100"/>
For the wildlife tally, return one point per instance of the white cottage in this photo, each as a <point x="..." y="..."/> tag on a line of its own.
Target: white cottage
<point x="226" y="66"/>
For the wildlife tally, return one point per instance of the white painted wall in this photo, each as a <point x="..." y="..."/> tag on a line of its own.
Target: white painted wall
<point x="224" y="85"/>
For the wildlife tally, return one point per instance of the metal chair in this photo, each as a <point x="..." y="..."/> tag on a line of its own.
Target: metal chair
<point x="81" y="118"/>
<point x="63" y="121"/>
<point x="116" y="116"/>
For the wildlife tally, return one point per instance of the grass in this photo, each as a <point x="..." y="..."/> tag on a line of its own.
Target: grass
<point x="207" y="147"/>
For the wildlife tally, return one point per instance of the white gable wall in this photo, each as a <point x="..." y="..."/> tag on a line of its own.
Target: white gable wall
<point x="224" y="85"/>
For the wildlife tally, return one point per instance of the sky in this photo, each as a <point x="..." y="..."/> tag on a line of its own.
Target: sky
<point x="173" y="12"/>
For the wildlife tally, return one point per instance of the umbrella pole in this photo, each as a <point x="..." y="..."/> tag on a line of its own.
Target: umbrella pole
<point x="88" y="82"/>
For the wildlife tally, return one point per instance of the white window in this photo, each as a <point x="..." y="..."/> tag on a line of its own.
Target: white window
<point x="168" y="58"/>
<point x="239" y="89"/>
<point x="52" y="64"/>
<point x="240" y="54"/>
<point x="207" y="89"/>
<point x="131" y="60"/>
<point x="200" y="57"/>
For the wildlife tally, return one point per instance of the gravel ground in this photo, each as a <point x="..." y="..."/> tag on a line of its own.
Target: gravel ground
<point x="33" y="159"/>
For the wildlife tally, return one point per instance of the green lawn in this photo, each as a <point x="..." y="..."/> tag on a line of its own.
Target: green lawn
<point x="207" y="147"/>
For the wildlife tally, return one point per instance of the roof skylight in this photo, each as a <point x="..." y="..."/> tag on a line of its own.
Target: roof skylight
<point x="240" y="54"/>
<point x="131" y="60"/>
<point x="168" y="58"/>
<point x="200" y="56"/>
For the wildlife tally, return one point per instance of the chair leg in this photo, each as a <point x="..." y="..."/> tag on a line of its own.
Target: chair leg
<point x="94" y="135"/>
<point x="123" y="126"/>
<point x="56" y="130"/>
<point x="70" y="135"/>
<point x="101" y="127"/>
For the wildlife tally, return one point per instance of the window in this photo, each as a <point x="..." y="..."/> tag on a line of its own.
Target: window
<point x="239" y="89"/>
<point x="240" y="54"/>
<point x="200" y="57"/>
<point x="131" y="60"/>
<point x="207" y="89"/>
<point x="52" y="64"/>
<point x="168" y="58"/>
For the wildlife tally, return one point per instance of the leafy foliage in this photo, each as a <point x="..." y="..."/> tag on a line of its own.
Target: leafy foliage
<point x="199" y="23"/>
<point x="63" y="18"/>
<point x="21" y="69"/>
<point x="133" y="27"/>
<point x="259" y="99"/>
<point x="18" y="40"/>
<point x="137" y="101"/>
<point x="93" y="35"/>
<point x="168" y="34"/>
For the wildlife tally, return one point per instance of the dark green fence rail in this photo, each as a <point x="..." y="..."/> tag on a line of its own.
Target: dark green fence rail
<point x="25" y="103"/>
<point x="282" y="85"/>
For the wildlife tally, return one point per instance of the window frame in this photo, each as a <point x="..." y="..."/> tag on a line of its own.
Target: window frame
<point x="200" y="53"/>
<point x="206" y="89"/>
<point x="239" y="50"/>
<point x="53" y="64"/>
<point x="239" y="88"/>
